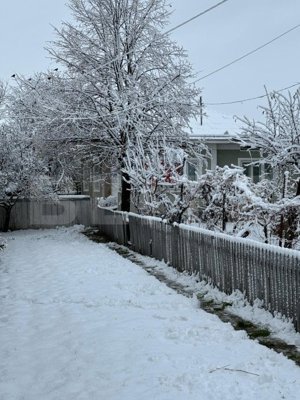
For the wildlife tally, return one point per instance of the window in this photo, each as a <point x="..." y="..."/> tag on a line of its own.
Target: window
<point x="255" y="172"/>
<point x="192" y="169"/>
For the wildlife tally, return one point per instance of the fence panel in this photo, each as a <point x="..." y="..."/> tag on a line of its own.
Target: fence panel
<point x="260" y="271"/>
<point x="113" y="224"/>
<point x="35" y="214"/>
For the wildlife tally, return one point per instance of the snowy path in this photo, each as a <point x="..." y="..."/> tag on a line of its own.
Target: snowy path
<point x="77" y="321"/>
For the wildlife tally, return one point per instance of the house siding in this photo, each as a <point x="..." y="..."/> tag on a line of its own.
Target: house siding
<point x="229" y="157"/>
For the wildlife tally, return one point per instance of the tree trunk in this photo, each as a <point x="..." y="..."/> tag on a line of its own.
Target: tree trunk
<point x="125" y="192"/>
<point x="224" y="215"/>
<point x="281" y="231"/>
<point x="291" y="229"/>
<point x="7" y="218"/>
<point x="266" y="234"/>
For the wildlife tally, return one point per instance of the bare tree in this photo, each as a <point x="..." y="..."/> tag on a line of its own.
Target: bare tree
<point x="23" y="173"/>
<point x="2" y="92"/>
<point x="49" y="105"/>
<point x="133" y="78"/>
<point x="278" y="140"/>
<point x="2" y="95"/>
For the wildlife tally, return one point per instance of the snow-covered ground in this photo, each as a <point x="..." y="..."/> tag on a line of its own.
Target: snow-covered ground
<point x="77" y="321"/>
<point x="278" y="325"/>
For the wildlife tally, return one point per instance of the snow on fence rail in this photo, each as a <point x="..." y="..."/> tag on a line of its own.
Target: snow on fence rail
<point x="261" y="271"/>
<point x="31" y="213"/>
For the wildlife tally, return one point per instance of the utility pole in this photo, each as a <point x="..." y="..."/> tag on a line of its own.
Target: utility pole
<point x="201" y="111"/>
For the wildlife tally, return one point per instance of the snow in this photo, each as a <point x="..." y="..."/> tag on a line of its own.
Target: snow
<point x="77" y="321"/>
<point x="73" y="196"/>
<point x="2" y="243"/>
<point x="279" y="326"/>
<point x="110" y="202"/>
<point x="233" y="239"/>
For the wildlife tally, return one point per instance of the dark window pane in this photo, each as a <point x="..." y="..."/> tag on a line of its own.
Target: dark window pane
<point x="247" y="169"/>
<point x="255" y="173"/>
<point x="191" y="172"/>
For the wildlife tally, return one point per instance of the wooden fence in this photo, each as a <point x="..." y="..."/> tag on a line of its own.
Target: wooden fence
<point x="261" y="271"/>
<point x="113" y="224"/>
<point x="67" y="211"/>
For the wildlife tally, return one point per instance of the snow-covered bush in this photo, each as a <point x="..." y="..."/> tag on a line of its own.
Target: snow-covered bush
<point x="108" y="202"/>
<point x="159" y="184"/>
<point x="224" y="196"/>
<point x="278" y="140"/>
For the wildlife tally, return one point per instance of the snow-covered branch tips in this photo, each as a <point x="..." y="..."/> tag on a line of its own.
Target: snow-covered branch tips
<point x="131" y="84"/>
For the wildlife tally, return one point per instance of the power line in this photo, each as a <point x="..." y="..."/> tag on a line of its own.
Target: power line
<point x="115" y="114"/>
<point x="213" y="72"/>
<point x="251" y="98"/>
<point x="195" y="17"/>
<point x="236" y="60"/>
<point x="170" y="30"/>
<point x="163" y="34"/>
<point x="248" y="54"/>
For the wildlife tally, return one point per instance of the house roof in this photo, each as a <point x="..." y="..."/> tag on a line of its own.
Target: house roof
<point x="215" y="127"/>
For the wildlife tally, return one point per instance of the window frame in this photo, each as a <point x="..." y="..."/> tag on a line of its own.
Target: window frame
<point x="194" y="163"/>
<point x="249" y="160"/>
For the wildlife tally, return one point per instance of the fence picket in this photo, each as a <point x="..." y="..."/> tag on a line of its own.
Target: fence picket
<point x="258" y="270"/>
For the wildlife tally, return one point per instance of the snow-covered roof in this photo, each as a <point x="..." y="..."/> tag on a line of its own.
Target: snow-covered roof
<point x="214" y="126"/>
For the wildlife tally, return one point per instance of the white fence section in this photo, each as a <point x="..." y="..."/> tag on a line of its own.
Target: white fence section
<point x="261" y="271"/>
<point x="67" y="211"/>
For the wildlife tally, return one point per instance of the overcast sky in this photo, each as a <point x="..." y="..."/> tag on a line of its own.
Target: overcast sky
<point x="212" y="41"/>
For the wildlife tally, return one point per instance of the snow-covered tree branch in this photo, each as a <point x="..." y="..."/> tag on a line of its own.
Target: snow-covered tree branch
<point x="2" y="92"/>
<point x="2" y="95"/>
<point x="23" y="173"/>
<point x="133" y="78"/>
<point x="48" y="106"/>
<point x="224" y="195"/>
<point x="278" y="140"/>
<point x="158" y="177"/>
